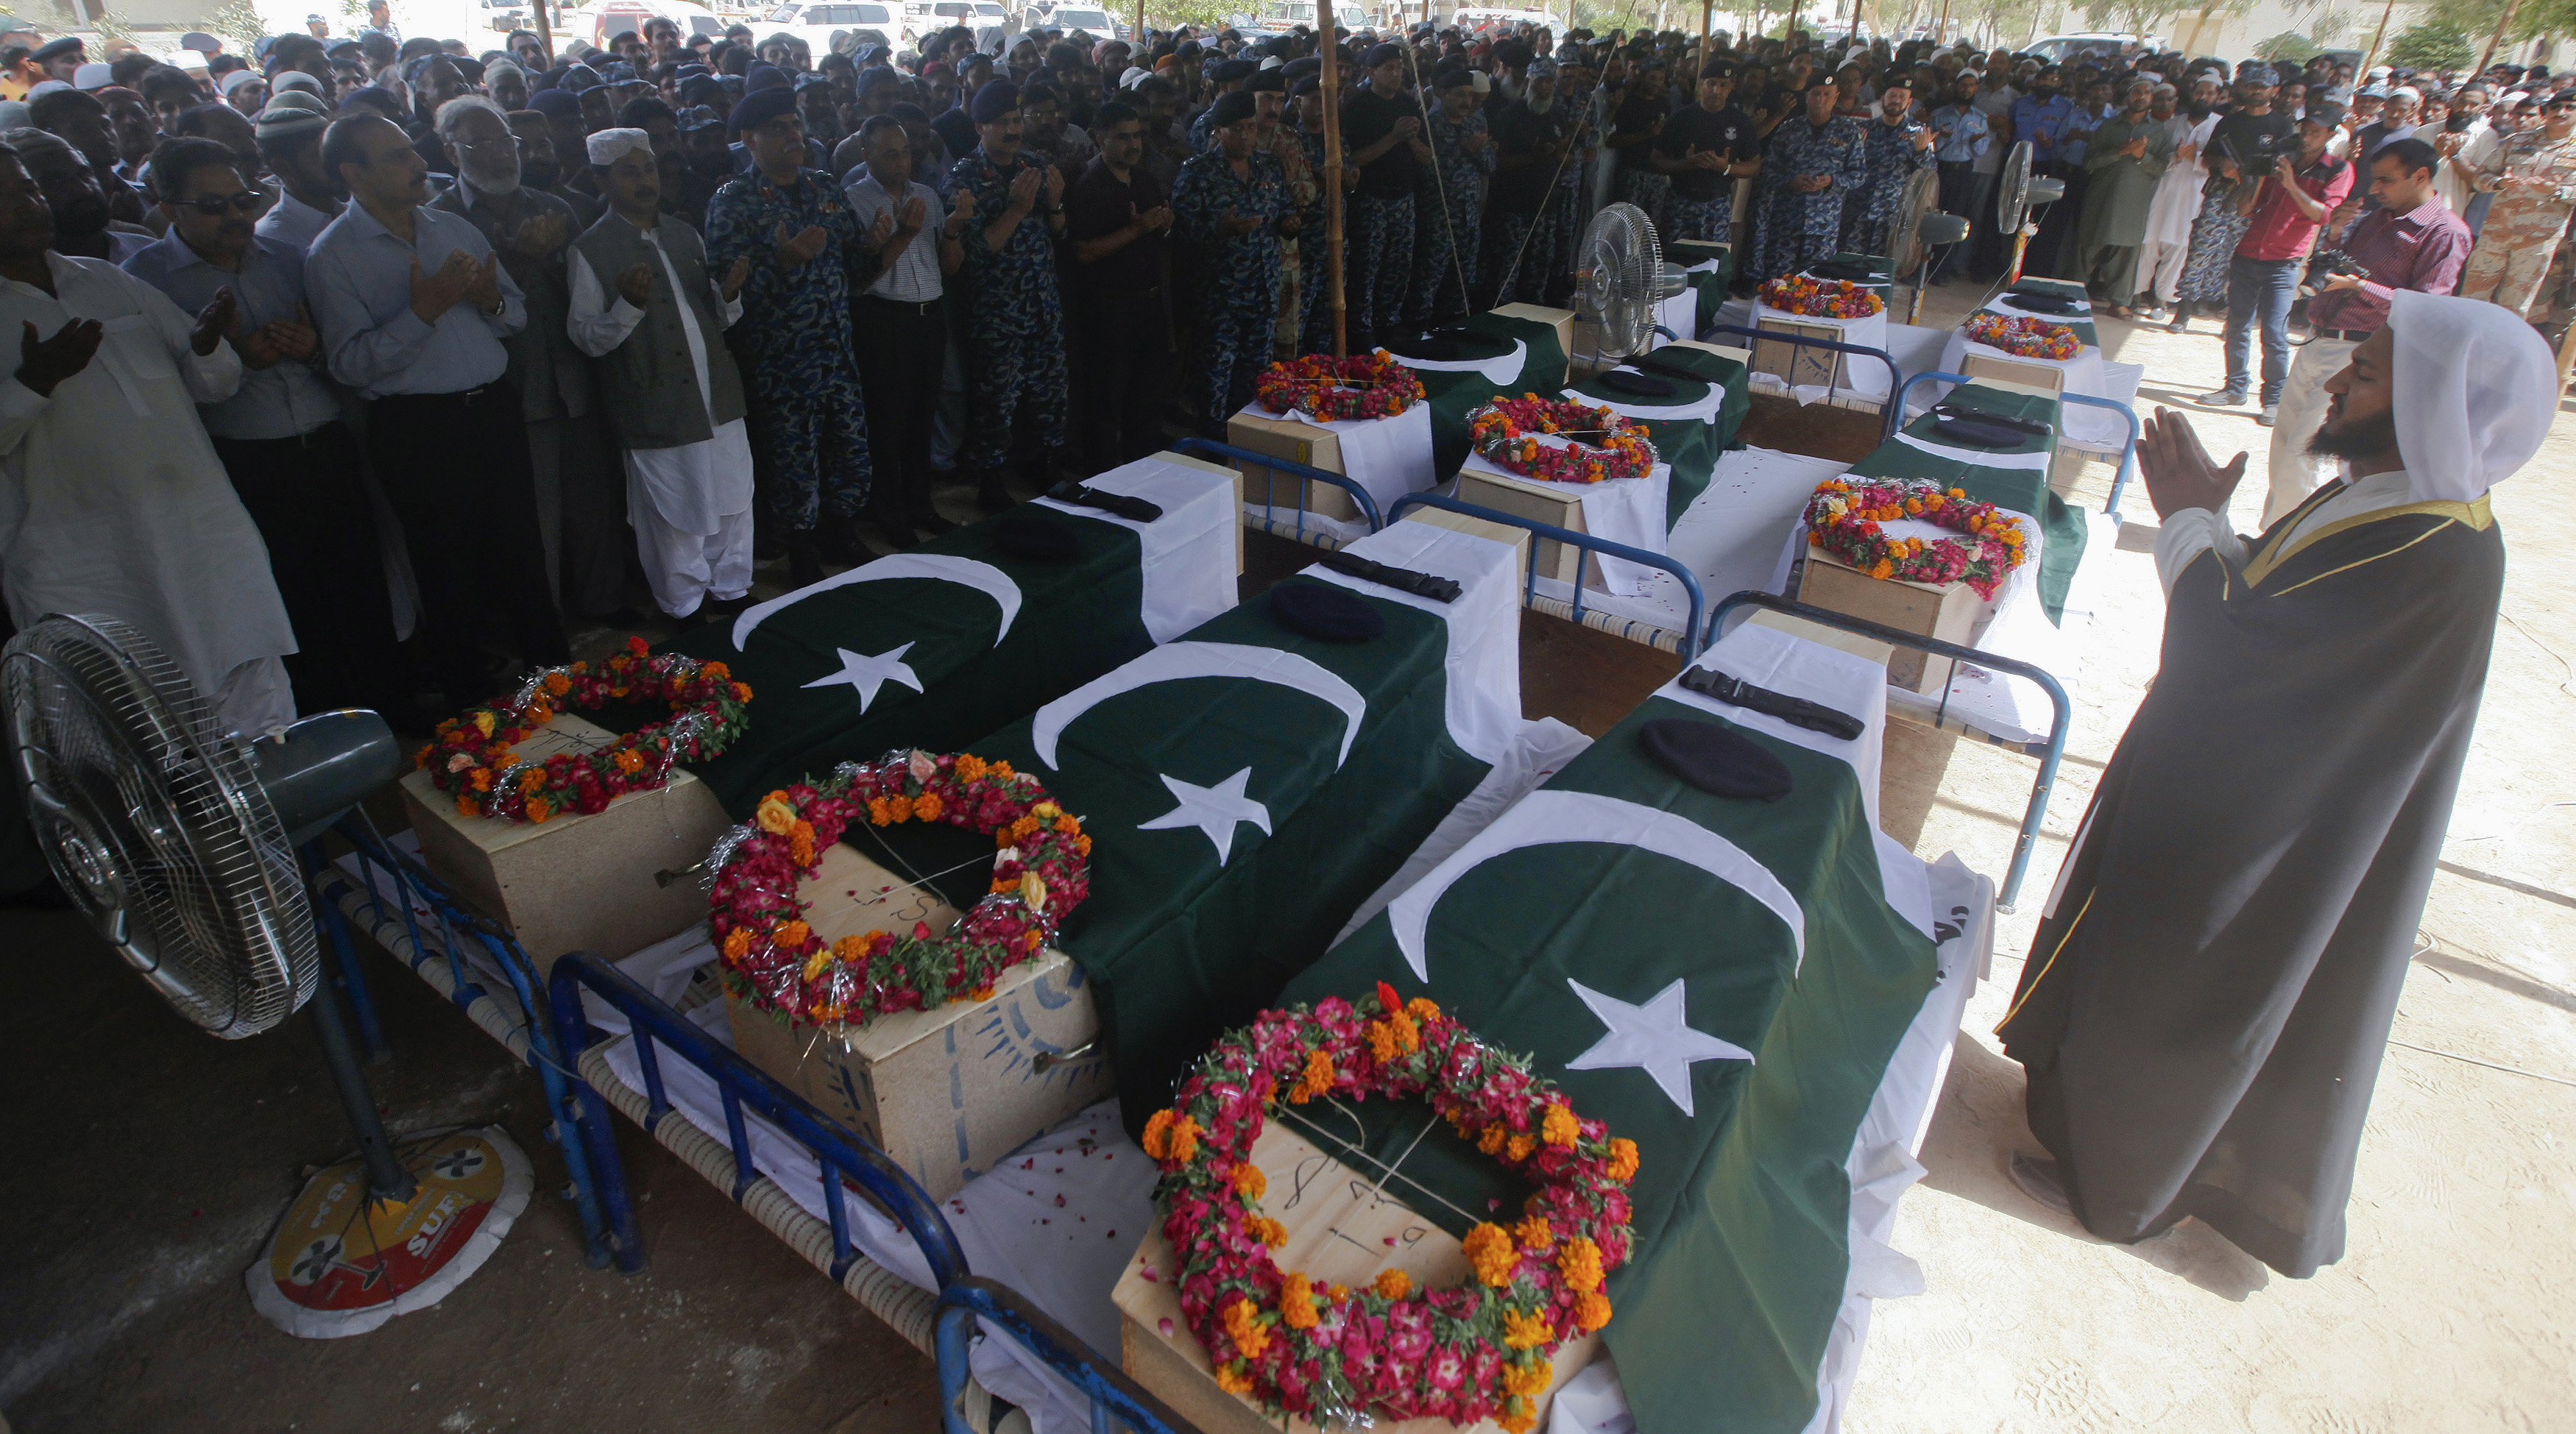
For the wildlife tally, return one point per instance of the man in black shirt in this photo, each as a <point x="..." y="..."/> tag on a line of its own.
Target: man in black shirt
<point x="1382" y="132"/>
<point x="1530" y="139"/>
<point x="1703" y="147"/>
<point x="1119" y="224"/>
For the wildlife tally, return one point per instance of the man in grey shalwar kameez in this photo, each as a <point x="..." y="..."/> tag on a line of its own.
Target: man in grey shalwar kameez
<point x="2127" y="157"/>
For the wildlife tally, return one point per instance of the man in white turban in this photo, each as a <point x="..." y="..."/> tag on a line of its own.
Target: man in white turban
<point x="2204" y="1007"/>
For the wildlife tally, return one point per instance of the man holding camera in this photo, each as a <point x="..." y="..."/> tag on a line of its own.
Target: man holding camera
<point x="2411" y="240"/>
<point x="2263" y="278"/>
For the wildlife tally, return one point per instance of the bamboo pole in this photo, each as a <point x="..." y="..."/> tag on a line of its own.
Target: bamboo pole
<point x="2493" y="40"/>
<point x="1329" y="84"/>
<point x="1138" y="40"/>
<point x="1941" y="31"/>
<point x="2376" y="36"/>
<point x="1705" y="6"/>
<point x="545" y="32"/>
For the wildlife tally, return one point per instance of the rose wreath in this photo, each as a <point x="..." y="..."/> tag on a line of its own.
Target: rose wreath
<point x="1504" y="432"/>
<point x="772" y="956"/>
<point x="1369" y="385"/>
<point x="1474" y="1352"/>
<point x="1821" y="298"/>
<point x="473" y="758"/>
<point x="1843" y="519"/>
<point x="2024" y="337"/>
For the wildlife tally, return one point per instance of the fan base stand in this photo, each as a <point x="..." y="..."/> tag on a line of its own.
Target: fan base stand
<point x="343" y="1259"/>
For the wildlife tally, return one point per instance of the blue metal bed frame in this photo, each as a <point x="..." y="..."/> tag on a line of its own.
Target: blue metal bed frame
<point x="1226" y="453"/>
<point x="2128" y="450"/>
<point x="1895" y="375"/>
<point x="1585" y="545"/>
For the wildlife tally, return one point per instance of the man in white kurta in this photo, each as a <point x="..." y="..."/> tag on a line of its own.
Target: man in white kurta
<point x="111" y="498"/>
<point x="2167" y="245"/>
<point x="689" y="502"/>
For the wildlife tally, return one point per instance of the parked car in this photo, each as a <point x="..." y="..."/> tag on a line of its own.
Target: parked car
<point x="816" y="21"/>
<point x="1099" y="24"/>
<point x="2059" y="49"/>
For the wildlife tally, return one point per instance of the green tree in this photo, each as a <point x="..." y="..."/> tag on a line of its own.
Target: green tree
<point x="237" y="21"/>
<point x="2431" y="46"/>
<point x="2476" y="20"/>
<point x="2289" y="45"/>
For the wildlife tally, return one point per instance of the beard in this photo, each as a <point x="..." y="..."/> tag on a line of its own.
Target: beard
<point x="535" y="176"/>
<point x="2354" y="438"/>
<point x="493" y="176"/>
<point x="2196" y="110"/>
<point x="1537" y="105"/>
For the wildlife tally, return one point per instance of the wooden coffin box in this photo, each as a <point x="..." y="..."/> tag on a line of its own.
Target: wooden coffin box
<point x="1801" y="366"/>
<point x="1561" y="320"/>
<point x="1549" y="558"/>
<point x="1341" y="1229"/>
<point x="575" y="883"/>
<point x="1298" y="442"/>
<point x="1948" y="612"/>
<point x="946" y="1092"/>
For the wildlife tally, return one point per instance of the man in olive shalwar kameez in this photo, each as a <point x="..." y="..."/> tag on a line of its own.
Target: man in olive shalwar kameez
<point x="2204" y="1007"/>
<point x="2126" y="161"/>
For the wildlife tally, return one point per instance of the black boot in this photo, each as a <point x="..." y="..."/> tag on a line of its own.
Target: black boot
<point x="992" y="492"/>
<point x="919" y="514"/>
<point x="887" y="507"/>
<point x="804" y="562"/>
<point x="837" y="541"/>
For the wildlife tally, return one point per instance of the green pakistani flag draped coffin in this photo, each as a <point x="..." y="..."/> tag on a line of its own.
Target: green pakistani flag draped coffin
<point x="2014" y="478"/>
<point x="1246" y="788"/>
<point x="1689" y="427"/>
<point x="950" y="641"/>
<point x="1723" y="981"/>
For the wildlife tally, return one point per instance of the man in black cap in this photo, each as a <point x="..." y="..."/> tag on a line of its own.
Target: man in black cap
<point x="1015" y="318"/>
<point x="1230" y="208"/>
<point x="1228" y="76"/>
<point x="1531" y="136"/>
<point x="1119" y="223"/>
<point x="61" y="58"/>
<point x="1382" y="127"/>
<point x="1449" y="211"/>
<point x="1703" y="146"/>
<point x="808" y="418"/>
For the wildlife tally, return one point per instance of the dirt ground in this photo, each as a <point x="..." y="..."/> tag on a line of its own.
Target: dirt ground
<point x="149" y="1160"/>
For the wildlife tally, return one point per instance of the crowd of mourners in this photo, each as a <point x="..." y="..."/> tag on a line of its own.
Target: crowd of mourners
<point x="351" y="338"/>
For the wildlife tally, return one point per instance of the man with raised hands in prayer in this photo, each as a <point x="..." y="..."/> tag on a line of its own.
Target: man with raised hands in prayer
<point x="2204" y="1006"/>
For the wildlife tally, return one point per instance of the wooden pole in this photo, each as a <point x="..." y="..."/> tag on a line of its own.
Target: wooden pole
<point x="1705" y="6"/>
<point x="545" y="32"/>
<point x="1329" y="85"/>
<point x="1138" y="39"/>
<point x="1941" y="31"/>
<point x="2372" y="58"/>
<point x="2494" y="40"/>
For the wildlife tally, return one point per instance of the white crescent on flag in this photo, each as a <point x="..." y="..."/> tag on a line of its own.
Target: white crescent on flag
<point x="1176" y="660"/>
<point x="1547" y="818"/>
<point x="938" y="567"/>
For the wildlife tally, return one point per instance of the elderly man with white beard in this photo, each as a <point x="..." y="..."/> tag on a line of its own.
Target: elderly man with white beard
<point x="579" y="498"/>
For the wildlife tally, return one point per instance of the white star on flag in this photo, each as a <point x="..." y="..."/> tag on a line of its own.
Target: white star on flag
<point x="1656" y="1038"/>
<point x="867" y="674"/>
<point x="1213" y="810"/>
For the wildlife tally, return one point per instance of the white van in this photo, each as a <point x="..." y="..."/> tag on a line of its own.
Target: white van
<point x="816" y="21"/>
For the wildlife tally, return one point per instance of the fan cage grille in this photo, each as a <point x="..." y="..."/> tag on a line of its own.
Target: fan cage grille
<point x="155" y="823"/>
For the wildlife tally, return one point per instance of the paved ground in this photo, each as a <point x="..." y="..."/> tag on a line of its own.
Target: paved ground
<point x="149" y="1159"/>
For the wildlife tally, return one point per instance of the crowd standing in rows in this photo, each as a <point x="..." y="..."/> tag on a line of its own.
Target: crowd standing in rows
<point x="450" y="347"/>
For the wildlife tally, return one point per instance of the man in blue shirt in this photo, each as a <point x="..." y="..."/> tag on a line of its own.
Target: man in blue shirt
<point x="279" y="436"/>
<point x="1961" y="138"/>
<point x="413" y="305"/>
<point x="2042" y="117"/>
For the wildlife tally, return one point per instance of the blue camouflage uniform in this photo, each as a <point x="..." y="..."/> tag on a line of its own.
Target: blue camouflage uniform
<point x="1314" y="310"/>
<point x="1889" y="162"/>
<point x="1235" y="277"/>
<point x="801" y="380"/>
<point x="1796" y="229"/>
<point x="1014" y="320"/>
<point x="1455" y="205"/>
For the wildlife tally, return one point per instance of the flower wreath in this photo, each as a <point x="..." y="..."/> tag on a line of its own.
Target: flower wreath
<point x="2024" y="337"/>
<point x="1369" y="385"/>
<point x="1821" y="298"/>
<point x="1477" y="1351"/>
<point x="474" y="761"/>
<point x="1843" y="519"/>
<point x="1503" y="432"/>
<point x="774" y="959"/>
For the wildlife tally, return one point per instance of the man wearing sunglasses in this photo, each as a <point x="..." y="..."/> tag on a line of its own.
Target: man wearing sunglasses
<point x="279" y="435"/>
<point x="2533" y="178"/>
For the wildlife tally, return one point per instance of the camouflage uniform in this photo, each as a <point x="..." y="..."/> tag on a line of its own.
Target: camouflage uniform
<point x="2523" y="225"/>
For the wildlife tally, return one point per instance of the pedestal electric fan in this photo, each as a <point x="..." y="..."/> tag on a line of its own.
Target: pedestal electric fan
<point x="2017" y="193"/>
<point x="180" y="843"/>
<point x="1619" y="277"/>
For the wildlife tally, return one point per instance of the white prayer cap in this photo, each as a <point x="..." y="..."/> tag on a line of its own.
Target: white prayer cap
<point x="236" y="80"/>
<point x="95" y="76"/>
<point x="1136" y="75"/>
<point x="1483" y="82"/>
<point x="2475" y="387"/>
<point x="2409" y="91"/>
<point x="606" y="145"/>
<point x="1273" y="62"/>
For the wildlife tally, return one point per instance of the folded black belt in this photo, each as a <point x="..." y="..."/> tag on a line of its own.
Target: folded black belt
<point x="1406" y="580"/>
<point x="1135" y="510"/>
<point x="1796" y="711"/>
<point x="2355" y="335"/>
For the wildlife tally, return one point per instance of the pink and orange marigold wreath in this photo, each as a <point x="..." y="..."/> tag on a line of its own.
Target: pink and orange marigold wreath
<point x="1477" y="1351"/>
<point x="1821" y="298"/>
<point x="772" y="956"/>
<point x="2024" y="337"/>
<point x="1369" y="385"/>
<point x="1600" y="443"/>
<point x="475" y="757"/>
<point x="1843" y="519"/>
